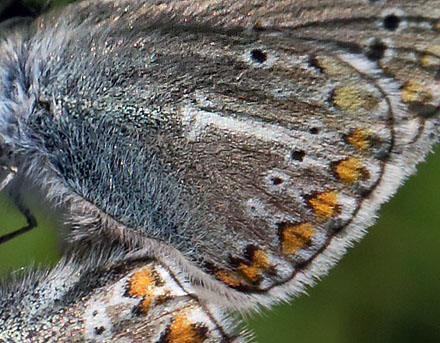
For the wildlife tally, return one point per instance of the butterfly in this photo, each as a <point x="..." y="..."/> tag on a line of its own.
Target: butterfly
<point x="248" y="143"/>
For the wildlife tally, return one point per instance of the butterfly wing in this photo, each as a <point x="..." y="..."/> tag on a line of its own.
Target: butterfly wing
<point x="108" y="296"/>
<point x="255" y="140"/>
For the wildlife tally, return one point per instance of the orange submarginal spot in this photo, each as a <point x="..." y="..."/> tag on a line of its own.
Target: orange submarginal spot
<point x="349" y="170"/>
<point x="295" y="237"/>
<point x="254" y="270"/>
<point x="324" y="205"/>
<point x="182" y="330"/>
<point x="359" y="138"/>
<point x="228" y="278"/>
<point x="142" y="284"/>
<point x="251" y="272"/>
<point x="261" y="259"/>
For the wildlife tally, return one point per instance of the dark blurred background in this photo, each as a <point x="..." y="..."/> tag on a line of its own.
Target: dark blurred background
<point x="386" y="289"/>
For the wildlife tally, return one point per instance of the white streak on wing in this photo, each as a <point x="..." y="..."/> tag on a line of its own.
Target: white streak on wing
<point x="196" y="121"/>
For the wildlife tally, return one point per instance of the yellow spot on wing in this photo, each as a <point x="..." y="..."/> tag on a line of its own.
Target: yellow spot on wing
<point x="349" y="170"/>
<point x="431" y="58"/>
<point x="414" y="91"/>
<point x="351" y="98"/>
<point x="332" y="66"/>
<point x="295" y="237"/>
<point x="324" y="204"/>
<point x="182" y="330"/>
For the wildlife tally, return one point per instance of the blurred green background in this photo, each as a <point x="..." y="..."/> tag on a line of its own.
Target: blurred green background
<point x="386" y="289"/>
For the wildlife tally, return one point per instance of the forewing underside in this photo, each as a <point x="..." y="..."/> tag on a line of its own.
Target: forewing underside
<point x="283" y="125"/>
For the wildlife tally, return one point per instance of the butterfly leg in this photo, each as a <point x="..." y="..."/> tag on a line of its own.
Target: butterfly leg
<point x="31" y="221"/>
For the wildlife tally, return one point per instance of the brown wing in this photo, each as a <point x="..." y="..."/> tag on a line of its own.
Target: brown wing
<point x="258" y="138"/>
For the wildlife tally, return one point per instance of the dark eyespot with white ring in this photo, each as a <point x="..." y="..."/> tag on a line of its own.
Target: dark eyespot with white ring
<point x="391" y="22"/>
<point x="276" y="180"/>
<point x="258" y="55"/>
<point x="314" y="130"/>
<point x="297" y="155"/>
<point x="376" y="50"/>
<point x="99" y="330"/>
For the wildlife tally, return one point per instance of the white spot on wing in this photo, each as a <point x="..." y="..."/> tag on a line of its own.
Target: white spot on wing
<point x="95" y="316"/>
<point x="403" y="24"/>
<point x="268" y="63"/>
<point x="256" y="208"/>
<point x="195" y="121"/>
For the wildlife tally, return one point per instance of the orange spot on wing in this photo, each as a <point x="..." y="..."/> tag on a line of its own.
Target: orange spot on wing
<point x="228" y="278"/>
<point x="259" y="261"/>
<point x="146" y="303"/>
<point x="295" y="236"/>
<point x="251" y="272"/>
<point x="359" y="138"/>
<point x="182" y="330"/>
<point x="142" y="284"/>
<point x="349" y="170"/>
<point x="324" y="205"/>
